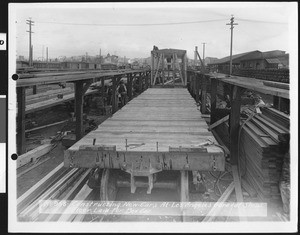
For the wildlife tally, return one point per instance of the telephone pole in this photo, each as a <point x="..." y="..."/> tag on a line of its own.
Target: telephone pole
<point x="231" y="28"/>
<point x="204" y="52"/>
<point x="195" y="56"/>
<point x="30" y="23"/>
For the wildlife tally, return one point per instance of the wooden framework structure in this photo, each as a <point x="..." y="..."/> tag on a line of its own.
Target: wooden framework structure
<point x="167" y="66"/>
<point x="82" y="82"/>
<point x="237" y="86"/>
<point x="160" y="130"/>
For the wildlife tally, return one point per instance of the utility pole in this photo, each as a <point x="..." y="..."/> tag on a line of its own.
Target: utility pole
<point x="204" y="52"/>
<point x="30" y="23"/>
<point x="195" y="57"/>
<point x="231" y="28"/>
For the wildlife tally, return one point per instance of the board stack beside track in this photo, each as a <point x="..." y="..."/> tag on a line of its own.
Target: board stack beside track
<point x="264" y="140"/>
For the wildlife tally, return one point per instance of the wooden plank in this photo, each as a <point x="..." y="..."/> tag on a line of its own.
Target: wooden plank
<point x="217" y="123"/>
<point x="39" y="187"/>
<point x="45" y="126"/>
<point x="52" y="102"/>
<point x="154" y="128"/>
<point x="48" y="93"/>
<point x="46" y="97"/>
<point x="252" y="84"/>
<point x="53" y="79"/>
<point x="216" y="209"/>
<point x="32" y="155"/>
<point x="33" y="166"/>
<point x="80" y="197"/>
<point x="277" y="84"/>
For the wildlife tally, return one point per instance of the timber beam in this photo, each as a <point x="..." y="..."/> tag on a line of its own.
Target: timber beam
<point x="129" y="86"/>
<point x="79" y="109"/>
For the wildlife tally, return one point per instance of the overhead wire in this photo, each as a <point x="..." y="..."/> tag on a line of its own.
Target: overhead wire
<point x="261" y="21"/>
<point x="141" y="24"/>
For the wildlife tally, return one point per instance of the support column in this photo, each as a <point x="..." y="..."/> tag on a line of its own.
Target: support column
<point x="103" y="88"/>
<point x="163" y="69"/>
<point x="194" y="84"/>
<point x="129" y="86"/>
<point x="213" y="100"/>
<point x="197" y="86"/>
<point x="21" y="120"/>
<point x="140" y="83"/>
<point x="34" y="90"/>
<point x="79" y="109"/>
<point x="114" y="97"/>
<point x="203" y="93"/>
<point x="152" y="69"/>
<point x="184" y="69"/>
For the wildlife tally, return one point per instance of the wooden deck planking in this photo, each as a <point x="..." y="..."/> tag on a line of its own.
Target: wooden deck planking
<point x="177" y="124"/>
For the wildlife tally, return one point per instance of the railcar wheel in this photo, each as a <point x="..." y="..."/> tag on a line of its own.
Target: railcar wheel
<point x="108" y="185"/>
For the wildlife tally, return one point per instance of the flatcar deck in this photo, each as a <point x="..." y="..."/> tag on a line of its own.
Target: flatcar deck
<point x="159" y="121"/>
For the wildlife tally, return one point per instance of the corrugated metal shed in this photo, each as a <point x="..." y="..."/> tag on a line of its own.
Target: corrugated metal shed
<point x="236" y="58"/>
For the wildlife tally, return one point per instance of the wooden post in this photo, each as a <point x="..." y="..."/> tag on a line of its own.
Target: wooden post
<point x="102" y="87"/>
<point x="213" y="100"/>
<point x="203" y="93"/>
<point x="21" y="120"/>
<point x="34" y="90"/>
<point x="163" y="69"/>
<point x="197" y="85"/>
<point x="147" y="80"/>
<point x="79" y="109"/>
<point x="184" y="60"/>
<point x="234" y="125"/>
<point x="276" y="102"/>
<point x="114" y="98"/>
<point x="140" y="83"/>
<point x="129" y="86"/>
<point x="194" y="84"/>
<point x="152" y="69"/>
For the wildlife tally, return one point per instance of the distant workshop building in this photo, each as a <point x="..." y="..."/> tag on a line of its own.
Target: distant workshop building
<point x="252" y="60"/>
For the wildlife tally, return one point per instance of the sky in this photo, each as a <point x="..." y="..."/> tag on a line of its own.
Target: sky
<point x="132" y="29"/>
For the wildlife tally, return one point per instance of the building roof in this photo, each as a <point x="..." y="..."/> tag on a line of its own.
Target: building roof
<point x="169" y="52"/>
<point x="272" y="54"/>
<point x="235" y="58"/>
<point x="273" y="61"/>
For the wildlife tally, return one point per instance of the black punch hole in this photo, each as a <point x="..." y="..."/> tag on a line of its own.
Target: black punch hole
<point x="15" y="77"/>
<point x="14" y="156"/>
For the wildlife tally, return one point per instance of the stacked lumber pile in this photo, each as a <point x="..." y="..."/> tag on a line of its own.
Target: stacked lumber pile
<point x="264" y="140"/>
